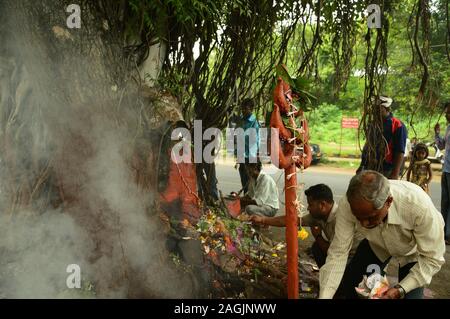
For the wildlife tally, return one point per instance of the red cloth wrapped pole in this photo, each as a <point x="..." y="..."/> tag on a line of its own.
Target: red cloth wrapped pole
<point x="290" y="182"/>
<point x="285" y="153"/>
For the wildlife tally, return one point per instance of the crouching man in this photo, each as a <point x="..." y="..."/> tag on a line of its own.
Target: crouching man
<point x="262" y="195"/>
<point x="321" y="218"/>
<point x="401" y="227"/>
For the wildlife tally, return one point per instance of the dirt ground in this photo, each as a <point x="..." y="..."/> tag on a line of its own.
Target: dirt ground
<point x="440" y="285"/>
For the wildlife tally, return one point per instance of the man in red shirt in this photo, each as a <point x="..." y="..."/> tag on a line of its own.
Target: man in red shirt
<point x="394" y="137"/>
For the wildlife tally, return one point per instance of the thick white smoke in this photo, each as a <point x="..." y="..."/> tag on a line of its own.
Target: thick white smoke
<point x="67" y="144"/>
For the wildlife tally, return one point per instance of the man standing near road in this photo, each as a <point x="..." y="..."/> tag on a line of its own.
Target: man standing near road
<point x="445" y="179"/>
<point x="394" y="135"/>
<point x="250" y="131"/>
<point x="401" y="227"/>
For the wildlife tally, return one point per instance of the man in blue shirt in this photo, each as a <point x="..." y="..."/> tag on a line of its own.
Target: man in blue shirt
<point x="394" y="137"/>
<point x="444" y="142"/>
<point x="250" y="130"/>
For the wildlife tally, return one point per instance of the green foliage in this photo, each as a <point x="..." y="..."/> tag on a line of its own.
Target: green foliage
<point x="241" y="41"/>
<point x="184" y="12"/>
<point x="222" y="51"/>
<point x="325" y="128"/>
<point x="325" y="125"/>
<point x="299" y="86"/>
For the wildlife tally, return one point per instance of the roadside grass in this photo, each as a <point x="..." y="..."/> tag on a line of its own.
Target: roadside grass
<point x="334" y="150"/>
<point x="341" y="163"/>
<point x="353" y="163"/>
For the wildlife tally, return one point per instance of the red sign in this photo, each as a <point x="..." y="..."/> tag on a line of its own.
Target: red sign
<point x="350" y="122"/>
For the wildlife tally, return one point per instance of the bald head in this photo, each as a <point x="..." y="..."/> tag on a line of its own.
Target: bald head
<point x="369" y="197"/>
<point x="370" y="186"/>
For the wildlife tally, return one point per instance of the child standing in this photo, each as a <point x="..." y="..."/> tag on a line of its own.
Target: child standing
<point x="419" y="171"/>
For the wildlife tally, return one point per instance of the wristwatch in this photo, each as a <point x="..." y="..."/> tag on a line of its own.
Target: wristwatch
<point x="401" y="290"/>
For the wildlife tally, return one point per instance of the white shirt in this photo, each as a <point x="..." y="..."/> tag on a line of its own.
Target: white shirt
<point x="264" y="191"/>
<point x="408" y="148"/>
<point x="413" y="232"/>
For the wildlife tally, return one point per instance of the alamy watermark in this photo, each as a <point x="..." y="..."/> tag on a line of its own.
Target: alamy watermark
<point x="244" y="145"/>
<point x="74" y="279"/>
<point x="74" y="19"/>
<point x="373" y="16"/>
<point x="373" y="269"/>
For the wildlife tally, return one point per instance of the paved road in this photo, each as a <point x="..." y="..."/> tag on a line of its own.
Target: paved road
<point x="337" y="179"/>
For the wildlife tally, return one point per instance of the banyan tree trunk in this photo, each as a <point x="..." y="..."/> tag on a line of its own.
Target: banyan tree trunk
<point x="77" y="161"/>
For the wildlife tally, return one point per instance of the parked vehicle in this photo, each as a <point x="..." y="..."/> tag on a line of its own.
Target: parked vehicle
<point x="316" y="153"/>
<point x="435" y="155"/>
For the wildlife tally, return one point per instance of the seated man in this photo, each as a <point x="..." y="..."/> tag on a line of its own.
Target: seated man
<point x="402" y="228"/>
<point x="321" y="218"/>
<point x="262" y="195"/>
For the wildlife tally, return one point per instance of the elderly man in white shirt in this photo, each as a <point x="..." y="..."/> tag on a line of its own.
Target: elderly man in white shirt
<point x="262" y="195"/>
<point x="402" y="228"/>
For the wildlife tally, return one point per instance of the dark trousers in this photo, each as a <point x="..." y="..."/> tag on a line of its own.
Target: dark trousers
<point x="207" y="181"/>
<point x="445" y="202"/>
<point x="319" y="256"/>
<point x="363" y="259"/>
<point x="244" y="177"/>
<point x="211" y="178"/>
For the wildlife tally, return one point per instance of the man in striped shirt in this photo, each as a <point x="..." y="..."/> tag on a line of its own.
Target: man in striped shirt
<point x="402" y="228"/>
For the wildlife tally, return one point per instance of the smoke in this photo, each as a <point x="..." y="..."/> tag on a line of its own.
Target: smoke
<point x="35" y="253"/>
<point x="69" y="194"/>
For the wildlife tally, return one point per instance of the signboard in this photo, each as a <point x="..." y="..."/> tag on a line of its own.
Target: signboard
<point x="350" y="122"/>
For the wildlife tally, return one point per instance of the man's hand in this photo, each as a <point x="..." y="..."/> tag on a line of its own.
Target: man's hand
<point x="316" y="231"/>
<point x="236" y="166"/>
<point x="437" y="129"/>
<point x="257" y="219"/>
<point x="397" y="161"/>
<point x="394" y="176"/>
<point x="392" y="293"/>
